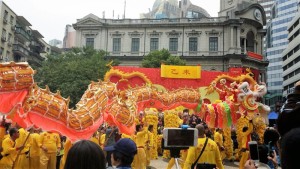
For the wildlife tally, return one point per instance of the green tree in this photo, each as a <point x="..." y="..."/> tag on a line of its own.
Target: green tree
<point x="155" y="58"/>
<point x="72" y="72"/>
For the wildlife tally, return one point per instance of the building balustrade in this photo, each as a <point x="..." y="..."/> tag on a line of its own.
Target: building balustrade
<point x="22" y="32"/>
<point x="20" y="49"/>
<point x="160" y="21"/>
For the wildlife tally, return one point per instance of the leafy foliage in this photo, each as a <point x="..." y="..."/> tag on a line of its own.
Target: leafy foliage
<point x="72" y="72"/>
<point x="156" y="58"/>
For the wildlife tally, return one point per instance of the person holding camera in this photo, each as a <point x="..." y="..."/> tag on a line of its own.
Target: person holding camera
<point x="206" y="155"/>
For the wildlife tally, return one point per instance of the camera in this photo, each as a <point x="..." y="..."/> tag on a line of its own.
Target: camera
<point x="180" y="138"/>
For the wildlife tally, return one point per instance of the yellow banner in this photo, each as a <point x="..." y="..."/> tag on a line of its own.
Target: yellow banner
<point x="180" y="72"/>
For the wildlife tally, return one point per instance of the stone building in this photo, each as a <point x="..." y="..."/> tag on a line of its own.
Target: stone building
<point x="233" y="39"/>
<point x="19" y="42"/>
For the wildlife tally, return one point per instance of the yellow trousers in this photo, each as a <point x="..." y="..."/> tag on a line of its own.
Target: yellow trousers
<point x="139" y="161"/>
<point x="34" y="162"/>
<point x="6" y="162"/>
<point x="245" y="157"/>
<point x="171" y="163"/>
<point x="50" y="163"/>
<point x="148" y="156"/>
<point x="22" y="162"/>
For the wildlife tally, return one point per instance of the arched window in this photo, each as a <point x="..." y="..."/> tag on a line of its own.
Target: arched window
<point x="250" y="41"/>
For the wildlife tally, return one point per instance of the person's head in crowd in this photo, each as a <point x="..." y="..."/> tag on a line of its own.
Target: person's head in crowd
<point x="14" y="133"/>
<point x="289" y="115"/>
<point x="85" y="154"/>
<point x="271" y="136"/>
<point x="123" y="152"/>
<point x="138" y="127"/>
<point x="150" y="128"/>
<point x="220" y="130"/>
<point x="290" y="149"/>
<point x="201" y="130"/>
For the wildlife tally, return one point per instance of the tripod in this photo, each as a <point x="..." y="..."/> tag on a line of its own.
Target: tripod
<point x="175" y="153"/>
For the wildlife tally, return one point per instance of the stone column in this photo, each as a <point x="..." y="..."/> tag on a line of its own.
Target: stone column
<point x="238" y="37"/>
<point x="231" y="36"/>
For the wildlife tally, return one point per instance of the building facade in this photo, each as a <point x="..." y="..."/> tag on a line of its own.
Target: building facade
<point x="282" y="12"/>
<point x="291" y="56"/>
<point x="234" y="39"/>
<point x="69" y="37"/>
<point x="175" y="9"/>
<point x="20" y="43"/>
<point x="56" y="42"/>
<point x="267" y="5"/>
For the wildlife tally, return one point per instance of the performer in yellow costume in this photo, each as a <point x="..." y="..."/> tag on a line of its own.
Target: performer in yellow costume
<point x="139" y="161"/>
<point x="247" y="130"/>
<point x="50" y="144"/>
<point x="67" y="146"/>
<point x="35" y="150"/>
<point x="211" y="153"/>
<point x="9" y="152"/>
<point x="95" y="138"/>
<point x="149" y="144"/>
<point x="218" y="138"/>
<point x="22" y="160"/>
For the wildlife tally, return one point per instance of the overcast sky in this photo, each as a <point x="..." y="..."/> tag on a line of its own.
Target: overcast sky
<point x="50" y="17"/>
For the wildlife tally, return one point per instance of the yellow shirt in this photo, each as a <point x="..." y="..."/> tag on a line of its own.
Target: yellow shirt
<point x="9" y="152"/>
<point x="102" y="139"/>
<point x="35" y="142"/>
<point x="218" y="138"/>
<point x="126" y="136"/>
<point x="95" y="140"/>
<point x="140" y="137"/>
<point x="21" y="140"/>
<point x="67" y="147"/>
<point x="210" y="155"/>
<point x="149" y="139"/>
<point x="51" y="141"/>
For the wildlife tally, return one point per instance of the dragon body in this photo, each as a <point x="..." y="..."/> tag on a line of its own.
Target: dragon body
<point x="28" y="104"/>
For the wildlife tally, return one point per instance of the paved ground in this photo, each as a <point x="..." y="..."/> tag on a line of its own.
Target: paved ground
<point x="160" y="163"/>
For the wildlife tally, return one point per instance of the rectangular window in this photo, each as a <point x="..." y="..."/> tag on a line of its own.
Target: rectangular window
<point x="1" y="53"/>
<point x="135" y="44"/>
<point x="7" y="56"/>
<point x="89" y="42"/>
<point x="213" y="44"/>
<point x="153" y="44"/>
<point x="116" y="44"/>
<point x="3" y="36"/>
<point x="5" y="16"/>
<point x="193" y="44"/>
<point x="11" y="20"/>
<point x="173" y="44"/>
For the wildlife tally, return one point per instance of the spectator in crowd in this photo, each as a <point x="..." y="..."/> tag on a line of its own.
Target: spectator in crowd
<point x="123" y="153"/>
<point x="194" y="120"/>
<point x="211" y="154"/>
<point x="288" y="127"/>
<point x="110" y="139"/>
<point x="290" y="149"/>
<point x="85" y="154"/>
